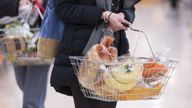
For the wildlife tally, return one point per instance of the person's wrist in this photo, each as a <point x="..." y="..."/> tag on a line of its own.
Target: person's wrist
<point x="109" y="17"/>
<point x="105" y="16"/>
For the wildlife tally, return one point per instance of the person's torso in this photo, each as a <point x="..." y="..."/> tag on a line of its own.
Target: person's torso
<point x="77" y="35"/>
<point x="74" y="41"/>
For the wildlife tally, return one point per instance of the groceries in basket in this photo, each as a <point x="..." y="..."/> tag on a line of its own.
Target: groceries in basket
<point x="13" y="44"/>
<point x="154" y="72"/>
<point x="105" y="76"/>
<point x="104" y="70"/>
<point x="19" y="44"/>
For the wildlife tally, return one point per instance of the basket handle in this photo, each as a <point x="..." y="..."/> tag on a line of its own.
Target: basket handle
<point x="146" y="37"/>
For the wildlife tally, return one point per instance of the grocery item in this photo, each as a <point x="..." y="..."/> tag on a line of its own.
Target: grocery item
<point x="103" y="52"/>
<point x="141" y="93"/>
<point x="136" y="93"/>
<point x="123" y="77"/>
<point x="13" y="44"/>
<point x="154" y="68"/>
<point x="93" y="69"/>
<point x="154" y="73"/>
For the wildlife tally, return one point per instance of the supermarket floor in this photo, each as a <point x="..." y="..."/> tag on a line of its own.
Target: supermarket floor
<point x="168" y="32"/>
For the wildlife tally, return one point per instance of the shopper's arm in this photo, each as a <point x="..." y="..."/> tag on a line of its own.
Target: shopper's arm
<point x="129" y="9"/>
<point x="70" y="11"/>
<point x="129" y="14"/>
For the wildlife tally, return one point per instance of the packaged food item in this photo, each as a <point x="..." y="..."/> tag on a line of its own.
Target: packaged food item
<point x="153" y="69"/>
<point x="13" y="44"/>
<point x="154" y="72"/>
<point x="103" y="52"/>
<point x="93" y="69"/>
<point x="123" y="77"/>
<point x="141" y="93"/>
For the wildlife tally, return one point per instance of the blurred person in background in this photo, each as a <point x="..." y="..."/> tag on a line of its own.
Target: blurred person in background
<point x="32" y="80"/>
<point x="19" y="9"/>
<point x="174" y="3"/>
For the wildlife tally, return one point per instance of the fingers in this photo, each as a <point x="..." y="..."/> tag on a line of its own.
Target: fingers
<point x="118" y="27"/>
<point x="122" y="27"/>
<point x="125" y="22"/>
<point x="117" y="22"/>
<point x="122" y="24"/>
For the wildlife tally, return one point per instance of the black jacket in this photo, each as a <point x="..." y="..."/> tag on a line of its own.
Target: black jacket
<point x="9" y="8"/>
<point x="80" y="17"/>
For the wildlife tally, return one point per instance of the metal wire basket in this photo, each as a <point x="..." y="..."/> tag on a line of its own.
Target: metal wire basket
<point x="132" y="78"/>
<point x="19" y="46"/>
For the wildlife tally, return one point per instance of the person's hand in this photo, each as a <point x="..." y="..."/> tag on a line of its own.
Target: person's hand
<point x="24" y="2"/>
<point x="122" y="14"/>
<point x="116" y="22"/>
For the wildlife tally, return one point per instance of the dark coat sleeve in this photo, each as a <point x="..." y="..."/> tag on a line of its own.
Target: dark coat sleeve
<point x="129" y="11"/>
<point x="9" y="8"/>
<point x="70" y="11"/>
<point x="129" y="14"/>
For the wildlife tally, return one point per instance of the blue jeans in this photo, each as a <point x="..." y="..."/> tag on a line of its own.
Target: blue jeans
<point x="32" y="80"/>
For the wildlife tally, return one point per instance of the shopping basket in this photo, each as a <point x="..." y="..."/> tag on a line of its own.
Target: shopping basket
<point x="132" y="78"/>
<point x="19" y="46"/>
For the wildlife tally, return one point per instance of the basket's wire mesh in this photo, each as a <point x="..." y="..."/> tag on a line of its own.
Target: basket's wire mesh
<point x="19" y="46"/>
<point x="118" y="82"/>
